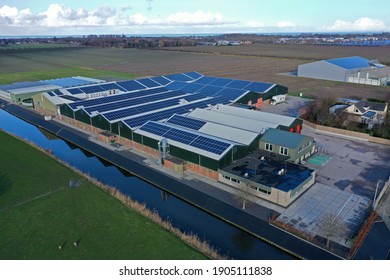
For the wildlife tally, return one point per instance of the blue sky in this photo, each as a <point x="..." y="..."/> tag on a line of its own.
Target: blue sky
<point x="52" y="17"/>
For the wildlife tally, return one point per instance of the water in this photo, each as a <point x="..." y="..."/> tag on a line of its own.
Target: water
<point x="229" y="240"/>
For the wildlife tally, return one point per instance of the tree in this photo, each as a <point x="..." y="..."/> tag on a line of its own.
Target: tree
<point x="330" y="226"/>
<point x="243" y="193"/>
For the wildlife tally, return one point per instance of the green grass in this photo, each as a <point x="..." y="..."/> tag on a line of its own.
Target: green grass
<point x="8" y="78"/>
<point x="39" y="212"/>
<point x="33" y="46"/>
<point x="40" y="64"/>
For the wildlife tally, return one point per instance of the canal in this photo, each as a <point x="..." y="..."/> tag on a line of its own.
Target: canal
<point x="229" y="240"/>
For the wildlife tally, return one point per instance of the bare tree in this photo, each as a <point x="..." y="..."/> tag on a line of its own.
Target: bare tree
<point x="243" y="193"/>
<point x="330" y="226"/>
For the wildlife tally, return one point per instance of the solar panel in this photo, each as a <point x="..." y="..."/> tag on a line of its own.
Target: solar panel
<point x="155" y="128"/>
<point x="220" y="82"/>
<point x="210" y="145"/>
<point x="205" y="80"/>
<point x="75" y="91"/>
<point x="92" y="89"/>
<point x="193" y="75"/>
<point x="258" y="87"/>
<point x="189" y="138"/>
<point x="132" y="102"/>
<point x="161" y="80"/>
<point x="148" y="83"/>
<point x="176" y="85"/>
<point x="164" y="114"/>
<point x="57" y="92"/>
<point x="178" y="77"/>
<point x="51" y="93"/>
<point x="192" y="87"/>
<point x="111" y="86"/>
<point x="231" y="93"/>
<point x="239" y="84"/>
<point x="186" y="122"/>
<point x="210" y="90"/>
<point x="131" y="85"/>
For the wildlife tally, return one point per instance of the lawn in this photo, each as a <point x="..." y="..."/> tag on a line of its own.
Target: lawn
<point x="39" y="212"/>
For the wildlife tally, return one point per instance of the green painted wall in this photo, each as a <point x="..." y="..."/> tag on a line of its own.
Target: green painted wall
<point x="253" y="96"/>
<point x="82" y="116"/>
<point x="100" y="122"/>
<point x="22" y="97"/>
<point x="294" y="154"/>
<point x="66" y="111"/>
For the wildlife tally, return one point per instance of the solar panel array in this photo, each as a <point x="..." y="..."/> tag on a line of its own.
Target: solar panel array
<point x="137" y="121"/>
<point x="132" y="102"/>
<point x="186" y="122"/>
<point x="127" y="112"/>
<point x="193" y="139"/>
<point x="116" y="97"/>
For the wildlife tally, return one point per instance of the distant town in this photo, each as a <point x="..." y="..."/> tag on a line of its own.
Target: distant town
<point x="153" y="41"/>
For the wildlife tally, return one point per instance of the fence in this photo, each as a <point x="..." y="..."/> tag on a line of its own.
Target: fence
<point x="348" y="133"/>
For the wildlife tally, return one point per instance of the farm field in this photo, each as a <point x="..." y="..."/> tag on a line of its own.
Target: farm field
<point x="111" y="64"/>
<point x="39" y="212"/>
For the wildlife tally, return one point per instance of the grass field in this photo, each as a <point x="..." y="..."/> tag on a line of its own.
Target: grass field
<point x="238" y="64"/>
<point x="39" y="212"/>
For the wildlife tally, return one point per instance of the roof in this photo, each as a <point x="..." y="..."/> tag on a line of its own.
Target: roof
<point x="283" y="138"/>
<point x="190" y="140"/>
<point x="364" y="106"/>
<point x="255" y="115"/>
<point x="350" y="62"/>
<point x="262" y="168"/>
<point x="256" y="126"/>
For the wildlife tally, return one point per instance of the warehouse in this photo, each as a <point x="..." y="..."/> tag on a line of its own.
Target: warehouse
<point x="347" y="69"/>
<point x="24" y="91"/>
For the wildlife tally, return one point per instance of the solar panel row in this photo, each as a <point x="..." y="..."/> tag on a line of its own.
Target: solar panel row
<point x="186" y="122"/>
<point x="128" y="112"/>
<point x="132" y="102"/>
<point x="116" y="97"/>
<point x="189" y="138"/>
<point x="165" y="114"/>
<point x="131" y="85"/>
<point x="236" y="84"/>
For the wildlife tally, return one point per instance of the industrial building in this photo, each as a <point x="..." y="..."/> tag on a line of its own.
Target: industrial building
<point x="354" y="69"/>
<point x="24" y="91"/>
<point x="184" y="120"/>
<point x="268" y="176"/>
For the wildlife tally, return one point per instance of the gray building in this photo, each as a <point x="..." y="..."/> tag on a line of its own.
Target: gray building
<point x="354" y="69"/>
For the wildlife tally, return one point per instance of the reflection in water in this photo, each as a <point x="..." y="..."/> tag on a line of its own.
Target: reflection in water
<point x="229" y="240"/>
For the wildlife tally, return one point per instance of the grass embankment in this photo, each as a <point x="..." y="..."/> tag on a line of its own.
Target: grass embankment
<point x="39" y="212"/>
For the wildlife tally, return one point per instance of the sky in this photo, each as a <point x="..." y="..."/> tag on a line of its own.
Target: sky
<point x="83" y="17"/>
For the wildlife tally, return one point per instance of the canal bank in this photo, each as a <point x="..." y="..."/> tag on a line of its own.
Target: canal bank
<point x="216" y="202"/>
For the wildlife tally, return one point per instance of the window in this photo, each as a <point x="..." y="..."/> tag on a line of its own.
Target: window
<point x="283" y="151"/>
<point x="268" y="147"/>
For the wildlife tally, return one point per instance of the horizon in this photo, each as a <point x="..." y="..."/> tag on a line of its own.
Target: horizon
<point x="21" y="18"/>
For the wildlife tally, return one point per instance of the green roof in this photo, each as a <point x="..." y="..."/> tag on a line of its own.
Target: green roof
<point x="283" y="138"/>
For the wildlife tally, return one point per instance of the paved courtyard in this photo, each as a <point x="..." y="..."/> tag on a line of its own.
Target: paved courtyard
<point x="321" y="206"/>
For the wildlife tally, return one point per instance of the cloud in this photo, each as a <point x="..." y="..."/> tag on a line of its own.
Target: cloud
<point x="197" y="18"/>
<point x="254" y="24"/>
<point x="285" y="24"/>
<point x="361" y="24"/>
<point x="60" y="15"/>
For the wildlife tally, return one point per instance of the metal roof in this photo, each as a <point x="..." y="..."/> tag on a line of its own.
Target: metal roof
<point x="283" y="138"/>
<point x="350" y="62"/>
<point x="188" y="147"/>
<point x="242" y="123"/>
<point x="255" y="115"/>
